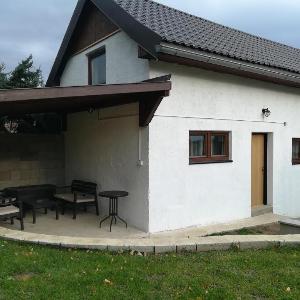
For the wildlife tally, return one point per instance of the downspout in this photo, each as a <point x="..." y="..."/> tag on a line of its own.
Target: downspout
<point x="140" y="161"/>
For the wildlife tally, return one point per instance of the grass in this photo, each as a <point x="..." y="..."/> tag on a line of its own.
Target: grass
<point x="269" y="229"/>
<point x="36" y="272"/>
<point x="242" y="231"/>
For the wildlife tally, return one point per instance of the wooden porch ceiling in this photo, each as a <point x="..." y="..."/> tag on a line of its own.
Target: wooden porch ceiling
<point x="64" y="100"/>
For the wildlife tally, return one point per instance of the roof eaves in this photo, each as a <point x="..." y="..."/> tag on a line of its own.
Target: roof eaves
<point x="234" y="66"/>
<point x="181" y="28"/>
<point x="141" y="34"/>
<point x="52" y="78"/>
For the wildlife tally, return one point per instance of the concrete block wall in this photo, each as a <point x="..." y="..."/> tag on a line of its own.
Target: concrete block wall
<point x="31" y="159"/>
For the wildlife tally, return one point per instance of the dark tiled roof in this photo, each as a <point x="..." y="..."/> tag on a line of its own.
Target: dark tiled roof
<point x="177" y="27"/>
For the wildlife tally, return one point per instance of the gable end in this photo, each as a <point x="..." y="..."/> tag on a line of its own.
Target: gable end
<point x="92" y="27"/>
<point x="83" y="31"/>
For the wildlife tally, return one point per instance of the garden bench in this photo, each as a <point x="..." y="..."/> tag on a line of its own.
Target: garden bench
<point x="80" y="193"/>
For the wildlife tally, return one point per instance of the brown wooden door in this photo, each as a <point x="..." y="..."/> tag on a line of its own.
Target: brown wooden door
<point x="257" y="170"/>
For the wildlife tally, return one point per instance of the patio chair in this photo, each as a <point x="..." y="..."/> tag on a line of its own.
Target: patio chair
<point x="80" y="193"/>
<point x="9" y="210"/>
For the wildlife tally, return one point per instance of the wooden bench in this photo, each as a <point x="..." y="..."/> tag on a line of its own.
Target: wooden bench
<point x="80" y="193"/>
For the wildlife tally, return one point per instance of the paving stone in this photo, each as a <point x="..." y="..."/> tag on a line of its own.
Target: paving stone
<point x="118" y="248"/>
<point x="214" y="247"/>
<point x="186" y="248"/>
<point x="94" y="247"/>
<point x="256" y="244"/>
<point x="143" y="243"/>
<point x="290" y="243"/>
<point x="143" y="249"/>
<point x="43" y="242"/>
<point x="165" y="249"/>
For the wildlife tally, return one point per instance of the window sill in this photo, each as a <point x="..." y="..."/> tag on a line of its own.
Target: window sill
<point x="210" y="162"/>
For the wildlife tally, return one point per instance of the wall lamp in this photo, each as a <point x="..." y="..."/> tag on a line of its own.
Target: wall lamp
<point x="266" y="112"/>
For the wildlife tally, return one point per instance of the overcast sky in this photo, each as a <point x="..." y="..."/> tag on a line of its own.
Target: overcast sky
<point x="37" y="27"/>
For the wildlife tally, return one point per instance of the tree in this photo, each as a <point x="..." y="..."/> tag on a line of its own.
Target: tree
<point x="25" y="76"/>
<point x="3" y="77"/>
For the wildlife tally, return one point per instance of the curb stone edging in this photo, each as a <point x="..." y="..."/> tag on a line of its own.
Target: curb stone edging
<point x="257" y="244"/>
<point x="290" y="243"/>
<point x="157" y="245"/>
<point x="220" y="246"/>
<point x="186" y="248"/>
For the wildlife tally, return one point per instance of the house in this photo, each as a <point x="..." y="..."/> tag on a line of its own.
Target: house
<point x="226" y="140"/>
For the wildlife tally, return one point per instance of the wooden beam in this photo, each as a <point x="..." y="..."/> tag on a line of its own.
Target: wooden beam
<point x="163" y="78"/>
<point x="19" y="102"/>
<point x="82" y="91"/>
<point x="148" y="107"/>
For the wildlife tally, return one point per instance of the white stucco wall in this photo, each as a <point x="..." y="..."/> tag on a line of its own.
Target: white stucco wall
<point x="105" y="150"/>
<point x="168" y="193"/>
<point x="122" y="63"/>
<point x="183" y="195"/>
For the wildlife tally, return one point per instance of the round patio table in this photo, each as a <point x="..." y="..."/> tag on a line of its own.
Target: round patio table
<point x="113" y="197"/>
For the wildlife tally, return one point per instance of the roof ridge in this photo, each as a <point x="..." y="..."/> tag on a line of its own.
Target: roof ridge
<point x="224" y="26"/>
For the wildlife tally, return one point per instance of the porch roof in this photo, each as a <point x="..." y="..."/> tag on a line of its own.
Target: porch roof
<point x="149" y="95"/>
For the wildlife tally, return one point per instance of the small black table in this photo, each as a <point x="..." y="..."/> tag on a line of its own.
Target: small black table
<point x="35" y="204"/>
<point x="113" y="205"/>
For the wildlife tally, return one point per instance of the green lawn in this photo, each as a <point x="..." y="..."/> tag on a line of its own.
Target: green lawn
<point x="242" y="231"/>
<point x="34" y="272"/>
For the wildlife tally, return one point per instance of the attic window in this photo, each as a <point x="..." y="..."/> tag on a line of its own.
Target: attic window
<point x="97" y="67"/>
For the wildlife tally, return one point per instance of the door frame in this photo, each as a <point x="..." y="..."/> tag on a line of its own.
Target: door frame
<point x="265" y="177"/>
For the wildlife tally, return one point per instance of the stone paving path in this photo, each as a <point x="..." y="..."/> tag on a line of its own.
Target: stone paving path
<point x="181" y="240"/>
<point x="218" y="228"/>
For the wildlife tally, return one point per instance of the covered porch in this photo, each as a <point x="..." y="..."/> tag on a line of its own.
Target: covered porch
<point x="103" y="139"/>
<point x="86" y="225"/>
